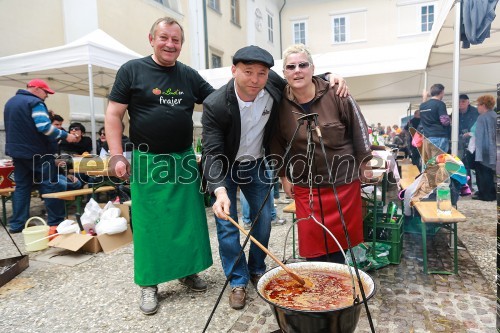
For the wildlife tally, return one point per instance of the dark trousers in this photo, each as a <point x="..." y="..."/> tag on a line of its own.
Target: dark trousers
<point x="485" y="179"/>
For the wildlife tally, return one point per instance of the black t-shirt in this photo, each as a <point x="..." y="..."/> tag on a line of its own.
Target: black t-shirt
<point x="160" y="103"/>
<point x="430" y="112"/>
<point x="84" y="145"/>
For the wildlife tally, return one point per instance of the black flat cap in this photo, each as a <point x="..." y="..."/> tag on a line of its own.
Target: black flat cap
<point x="253" y="54"/>
<point x="463" y="96"/>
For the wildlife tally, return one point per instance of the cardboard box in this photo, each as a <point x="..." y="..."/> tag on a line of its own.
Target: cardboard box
<point x="94" y="244"/>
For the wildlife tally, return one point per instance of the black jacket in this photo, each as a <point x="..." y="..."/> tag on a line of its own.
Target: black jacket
<point x="222" y="129"/>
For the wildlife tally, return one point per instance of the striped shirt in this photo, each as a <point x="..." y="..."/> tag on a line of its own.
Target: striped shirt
<point x="43" y="124"/>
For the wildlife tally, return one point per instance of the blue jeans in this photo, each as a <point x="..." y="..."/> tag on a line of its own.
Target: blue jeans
<point x="441" y="143"/>
<point x="245" y="209"/>
<point x="43" y="171"/>
<point x="69" y="185"/>
<point x="251" y="178"/>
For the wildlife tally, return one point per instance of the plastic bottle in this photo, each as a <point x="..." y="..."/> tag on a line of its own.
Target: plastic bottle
<point x="381" y="140"/>
<point x="375" y="139"/>
<point x="443" y="196"/>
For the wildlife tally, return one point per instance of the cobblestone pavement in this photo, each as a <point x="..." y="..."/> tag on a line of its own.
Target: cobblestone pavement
<point x="99" y="295"/>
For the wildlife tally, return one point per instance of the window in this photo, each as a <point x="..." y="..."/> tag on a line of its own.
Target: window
<point x="270" y="29"/>
<point x="426" y="17"/>
<point x="172" y="4"/>
<point x="339" y="30"/>
<point x="216" y="61"/>
<point x="299" y="32"/>
<point x="214" y="4"/>
<point x="235" y="11"/>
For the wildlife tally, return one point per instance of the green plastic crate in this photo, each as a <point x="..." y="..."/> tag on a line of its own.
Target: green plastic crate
<point x="395" y="251"/>
<point x="413" y="225"/>
<point x="393" y="235"/>
<point x="385" y="231"/>
<point x="370" y="206"/>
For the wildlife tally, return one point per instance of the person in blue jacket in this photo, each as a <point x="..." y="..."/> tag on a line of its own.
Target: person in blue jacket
<point x="29" y="136"/>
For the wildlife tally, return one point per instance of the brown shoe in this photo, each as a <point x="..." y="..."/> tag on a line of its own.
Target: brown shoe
<point x="237" y="298"/>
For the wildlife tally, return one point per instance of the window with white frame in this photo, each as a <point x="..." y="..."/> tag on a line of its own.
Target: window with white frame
<point x="214" y="4"/>
<point x="299" y="32"/>
<point x="339" y="29"/>
<point x="235" y="11"/>
<point x="270" y="28"/>
<point x="172" y="4"/>
<point x="216" y="61"/>
<point x="426" y="17"/>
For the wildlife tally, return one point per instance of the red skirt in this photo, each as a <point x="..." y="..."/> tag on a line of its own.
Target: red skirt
<point x="312" y="236"/>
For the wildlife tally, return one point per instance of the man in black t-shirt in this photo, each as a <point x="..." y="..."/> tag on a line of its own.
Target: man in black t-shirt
<point x="170" y="228"/>
<point x="434" y="119"/>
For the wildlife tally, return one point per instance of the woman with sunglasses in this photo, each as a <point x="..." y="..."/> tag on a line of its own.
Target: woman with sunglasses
<point x="345" y="137"/>
<point x="101" y="141"/>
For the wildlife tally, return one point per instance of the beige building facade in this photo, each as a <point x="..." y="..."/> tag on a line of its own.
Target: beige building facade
<point x="214" y="30"/>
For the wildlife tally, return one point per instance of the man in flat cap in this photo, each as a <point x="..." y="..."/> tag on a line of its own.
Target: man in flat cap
<point x="30" y="138"/>
<point x="467" y="117"/>
<point x="237" y="122"/>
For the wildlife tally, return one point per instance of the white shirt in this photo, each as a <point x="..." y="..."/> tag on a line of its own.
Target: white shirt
<point x="254" y="117"/>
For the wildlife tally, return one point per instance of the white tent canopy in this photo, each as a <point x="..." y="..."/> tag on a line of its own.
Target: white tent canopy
<point x="65" y="67"/>
<point x="400" y="72"/>
<point x="86" y="66"/>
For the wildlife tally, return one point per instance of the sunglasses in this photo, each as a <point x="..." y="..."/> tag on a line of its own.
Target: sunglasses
<point x="102" y="133"/>
<point x="302" y="65"/>
<point x="75" y="129"/>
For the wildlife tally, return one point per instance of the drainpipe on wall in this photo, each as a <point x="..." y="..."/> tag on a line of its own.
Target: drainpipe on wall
<point x="205" y="33"/>
<point x="281" y="35"/>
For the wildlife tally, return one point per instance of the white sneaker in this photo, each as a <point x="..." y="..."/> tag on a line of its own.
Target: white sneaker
<point x="284" y="201"/>
<point x="247" y="226"/>
<point x="149" y="300"/>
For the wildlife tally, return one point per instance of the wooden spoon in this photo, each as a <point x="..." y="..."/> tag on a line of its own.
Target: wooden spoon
<point x="304" y="282"/>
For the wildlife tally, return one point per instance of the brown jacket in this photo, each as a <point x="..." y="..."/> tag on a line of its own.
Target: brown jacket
<point x="344" y="132"/>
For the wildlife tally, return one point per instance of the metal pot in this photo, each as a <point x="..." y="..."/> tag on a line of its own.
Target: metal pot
<point x="341" y="320"/>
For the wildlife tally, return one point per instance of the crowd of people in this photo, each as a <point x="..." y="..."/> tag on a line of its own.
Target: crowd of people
<point x="248" y="126"/>
<point x="476" y="137"/>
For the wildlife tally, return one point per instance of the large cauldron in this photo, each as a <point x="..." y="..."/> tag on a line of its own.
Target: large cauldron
<point x="341" y="320"/>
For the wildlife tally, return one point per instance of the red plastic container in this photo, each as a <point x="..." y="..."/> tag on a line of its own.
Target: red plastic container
<point x="6" y="176"/>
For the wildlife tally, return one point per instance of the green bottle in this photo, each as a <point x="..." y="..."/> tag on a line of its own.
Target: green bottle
<point x="198" y="146"/>
<point x="392" y="208"/>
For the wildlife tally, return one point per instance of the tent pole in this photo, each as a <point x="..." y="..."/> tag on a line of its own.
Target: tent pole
<point x="456" y="79"/>
<point x="92" y="111"/>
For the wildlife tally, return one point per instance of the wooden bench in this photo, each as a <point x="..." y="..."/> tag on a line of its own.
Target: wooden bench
<point x="6" y="194"/>
<point x="76" y="196"/>
<point x="428" y="214"/>
<point x="408" y="174"/>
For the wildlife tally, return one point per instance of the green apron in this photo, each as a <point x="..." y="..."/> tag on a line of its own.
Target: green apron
<point x="168" y="216"/>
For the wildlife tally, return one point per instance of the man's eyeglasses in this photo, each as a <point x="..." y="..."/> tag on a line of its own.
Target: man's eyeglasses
<point x="75" y="129"/>
<point x="102" y="133"/>
<point x="302" y="65"/>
